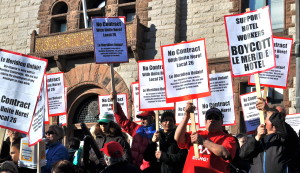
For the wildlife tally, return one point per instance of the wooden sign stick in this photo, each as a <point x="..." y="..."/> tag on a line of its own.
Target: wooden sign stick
<point x="266" y="89"/>
<point x="258" y="93"/>
<point x="193" y="128"/>
<point x="39" y="170"/>
<point x="112" y="75"/>
<point x="157" y="129"/>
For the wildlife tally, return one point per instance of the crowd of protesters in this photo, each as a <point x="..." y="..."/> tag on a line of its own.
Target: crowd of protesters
<point x="273" y="148"/>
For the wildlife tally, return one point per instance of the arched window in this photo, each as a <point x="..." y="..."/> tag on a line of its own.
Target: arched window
<point x="87" y="111"/>
<point x="95" y="8"/>
<point x="59" y="17"/>
<point x="60" y="8"/>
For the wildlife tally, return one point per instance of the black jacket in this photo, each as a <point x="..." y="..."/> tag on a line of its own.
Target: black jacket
<point x="273" y="153"/>
<point x="172" y="159"/>
<point x="101" y="140"/>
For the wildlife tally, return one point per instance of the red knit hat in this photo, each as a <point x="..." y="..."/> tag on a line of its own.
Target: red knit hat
<point x="113" y="149"/>
<point x="145" y="114"/>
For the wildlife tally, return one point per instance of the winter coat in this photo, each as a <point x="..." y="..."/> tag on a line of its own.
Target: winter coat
<point x="141" y="135"/>
<point x="101" y="140"/>
<point x="54" y="153"/>
<point x="272" y="154"/>
<point x="172" y="158"/>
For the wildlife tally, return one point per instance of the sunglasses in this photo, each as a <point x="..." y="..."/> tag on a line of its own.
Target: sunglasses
<point x="50" y="132"/>
<point x="101" y="123"/>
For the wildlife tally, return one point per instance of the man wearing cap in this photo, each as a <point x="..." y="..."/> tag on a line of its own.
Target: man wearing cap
<point x="114" y="158"/>
<point x="216" y="148"/>
<point x="274" y="148"/>
<point x="141" y="134"/>
<point x="171" y="158"/>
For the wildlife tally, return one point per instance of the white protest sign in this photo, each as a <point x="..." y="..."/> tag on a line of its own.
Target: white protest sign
<point x="278" y="76"/>
<point x="63" y="118"/>
<point x="37" y="125"/>
<point x="105" y="103"/>
<point x="151" y="85"/>
<point x="135" y="98"/>
<point x="110" y="39"/>
<point x="250" y="42"/>
<point x="46" y="119"/>
<point x="294" y="121"/>
<point x="221" y="98"/>
<point x="179" y="111"/>
<point x="56" y="94"/>
<point x="251" y="114"/>
<point x="21" y="77"/>
<point x="185" y="71"/>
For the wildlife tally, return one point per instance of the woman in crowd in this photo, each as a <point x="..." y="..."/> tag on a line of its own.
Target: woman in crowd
<point x="106" y="131"/>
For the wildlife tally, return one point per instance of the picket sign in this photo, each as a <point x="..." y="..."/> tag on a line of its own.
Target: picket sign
<point x="135" y="100"/>
<point x="258" y="93"/>
<point x="105" y="42"/>
<point x="2" y="135"/>
<point x="56" y="94"/>
<point x="278" y="76"/>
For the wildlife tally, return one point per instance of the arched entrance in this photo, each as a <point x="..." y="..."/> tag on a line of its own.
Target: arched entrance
<point x="85" y="82"/>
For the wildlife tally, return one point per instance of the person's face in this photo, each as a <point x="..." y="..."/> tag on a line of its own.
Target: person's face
<point x="213" y="124"/>
<point x="268" y="125"/>
<point x="242" y="141"/>
<point x="168" y="124"/>
<point x="103" y="127"/>
<point x="51" y="136"/>
<point x="13" y="134"/>
<point x="14" y="153"/>
<point x="147" y="121"/>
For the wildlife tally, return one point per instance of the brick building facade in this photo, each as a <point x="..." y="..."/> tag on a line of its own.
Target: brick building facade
<point x="54" y="30"/>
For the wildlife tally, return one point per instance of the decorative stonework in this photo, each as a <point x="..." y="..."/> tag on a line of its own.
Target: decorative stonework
<point x="64" y="41"/>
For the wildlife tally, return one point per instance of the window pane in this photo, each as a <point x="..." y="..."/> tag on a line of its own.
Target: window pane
<point x="255" y="4"/>
<point x="277" y="14"/>
<point x="130" y="17"/>
<point x="63" y="27"/>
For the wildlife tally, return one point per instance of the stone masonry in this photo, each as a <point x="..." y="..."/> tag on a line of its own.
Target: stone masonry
<point x="18" y="18"/>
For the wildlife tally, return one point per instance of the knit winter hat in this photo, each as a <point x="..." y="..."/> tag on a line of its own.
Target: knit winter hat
<point x="113" y="149"/>
<point x="213" y="113"/>
<point x="9" y="166"/>
<point x="106" y="118"/>
<point x="167" y="114"/>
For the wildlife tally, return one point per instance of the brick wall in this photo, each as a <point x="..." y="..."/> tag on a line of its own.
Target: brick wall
<point x="18" y="18"/>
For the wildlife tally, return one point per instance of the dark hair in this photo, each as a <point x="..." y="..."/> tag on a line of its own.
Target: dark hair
<point x="240" y="135"/>
<point x="74" y="143"/>
<point x="113" y="129"/>
<point x="63" y="166"/>
<point x="16" y="144"/>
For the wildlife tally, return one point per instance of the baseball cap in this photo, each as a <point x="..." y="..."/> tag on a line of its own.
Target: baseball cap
<point x="113" y="149"/>
<point x="106" y="118"/>
<point x="213" y="113"/>
<point x="145" y="114"/>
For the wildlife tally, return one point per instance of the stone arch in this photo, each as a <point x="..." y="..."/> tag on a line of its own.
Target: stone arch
<point x="59" y="7"/>
<point x="90" y="79"/>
